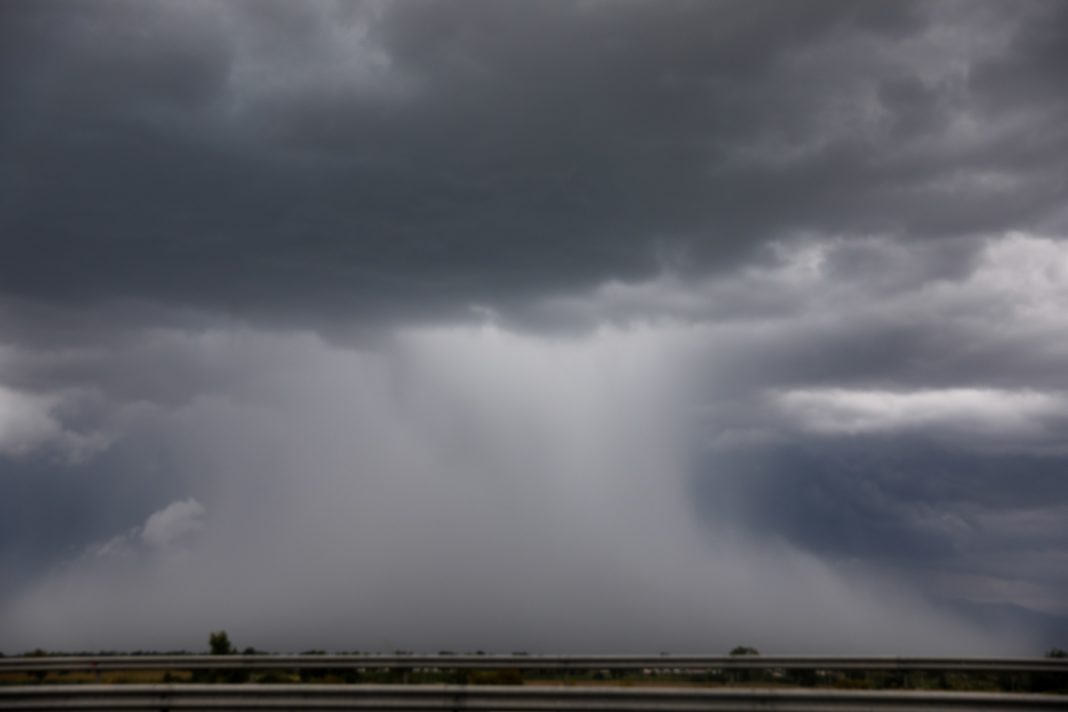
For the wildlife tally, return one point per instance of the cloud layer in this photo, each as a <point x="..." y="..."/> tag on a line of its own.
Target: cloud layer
<point x="374" y="159"/>
<point x="474" y="487"/>
<point x="560" y="326"/>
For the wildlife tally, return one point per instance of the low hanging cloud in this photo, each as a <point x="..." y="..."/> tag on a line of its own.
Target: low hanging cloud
<point x="1020" y="419"/>
<point x="174" y="523"/>
<point x="473" y="488"/>
<point x="28" y="424"/>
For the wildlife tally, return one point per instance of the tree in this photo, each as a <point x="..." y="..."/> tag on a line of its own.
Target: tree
<point x="745" y="675"/>
<point x="744" y="650"/>
<point x="220" y="644"/>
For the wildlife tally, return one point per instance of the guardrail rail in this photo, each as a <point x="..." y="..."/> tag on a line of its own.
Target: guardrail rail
<point x="528" y="662"/>
<point x="503" y="698"/>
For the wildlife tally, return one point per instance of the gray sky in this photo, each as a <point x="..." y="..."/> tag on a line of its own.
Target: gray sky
<point x="562" y="326"/>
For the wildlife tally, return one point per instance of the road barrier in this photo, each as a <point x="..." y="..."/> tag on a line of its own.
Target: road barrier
<point x="681" y="663"/>
<point x="502" y="698"/>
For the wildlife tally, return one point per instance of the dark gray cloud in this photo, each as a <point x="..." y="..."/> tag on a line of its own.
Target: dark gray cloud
<point x="971" y="528"/>
<point x="636" y="313"/>
<point x="414" y="158"/>
<point x="889" y="497"/>
<point x="50" y="510"/>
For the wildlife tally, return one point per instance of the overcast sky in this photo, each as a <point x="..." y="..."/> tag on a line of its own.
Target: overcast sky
<point x="590" y="326"/>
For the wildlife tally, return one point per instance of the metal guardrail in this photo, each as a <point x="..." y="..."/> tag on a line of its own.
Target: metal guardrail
<point x="527" y="662"/>
<point x="502" y="699"/>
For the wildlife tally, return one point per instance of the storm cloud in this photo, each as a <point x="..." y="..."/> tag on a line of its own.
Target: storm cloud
<point x="557" y="326"/>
